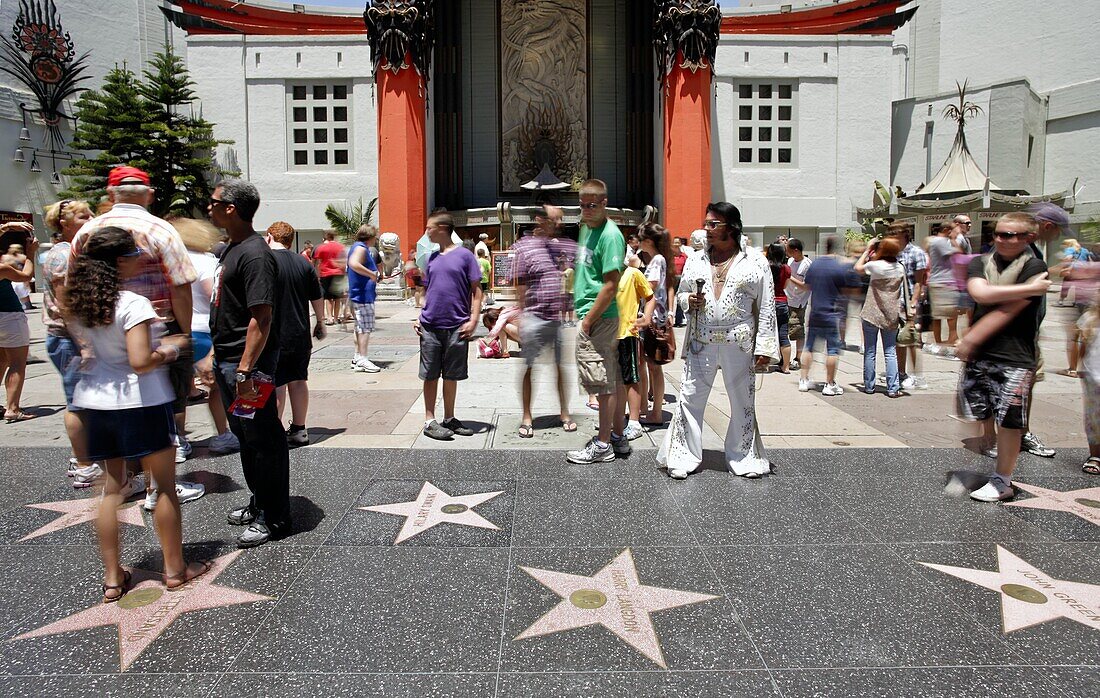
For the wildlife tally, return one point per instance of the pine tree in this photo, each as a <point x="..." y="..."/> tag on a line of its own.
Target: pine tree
<point x="108" y="125"/>
<point x="150" y="124"/>
<point x="179" y="143"/>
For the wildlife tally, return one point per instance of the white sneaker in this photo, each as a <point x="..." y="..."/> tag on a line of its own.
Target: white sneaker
<point x="996" y="490"/>
<point x="355" y="359"/>
<point x="909" y="383"/>
<point x="74" y="465"/>
<point x="832" y="389"/>
<point x="224" y="443"/>
<point x="185" y="492"/>
<point x="805" y="385"/>
<point x="183" y="449"/>
<point x="591" y="453"/>
<point x="921" y="384"/>
<point x="633" y="431"/>
<point x="132" y="486"/>
<point x="677" y="474"/>
<point x="87" y="476"/>
<point x="365" y="366"/>
<point x="932" y="349"/>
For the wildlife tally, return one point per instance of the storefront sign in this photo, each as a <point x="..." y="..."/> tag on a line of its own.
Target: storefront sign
<point x="502" y="269"/>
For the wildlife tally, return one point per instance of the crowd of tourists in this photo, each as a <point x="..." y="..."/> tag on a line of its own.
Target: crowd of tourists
<point x="146" y="316"/>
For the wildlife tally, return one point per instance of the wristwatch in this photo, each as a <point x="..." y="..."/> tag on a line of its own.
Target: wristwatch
<point x="243" y="377"/>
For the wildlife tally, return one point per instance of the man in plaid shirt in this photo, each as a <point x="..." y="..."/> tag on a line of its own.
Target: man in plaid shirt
<point x="543" y="303"/>
<point x="915" y="263"/>
<point x="165" y="277"/>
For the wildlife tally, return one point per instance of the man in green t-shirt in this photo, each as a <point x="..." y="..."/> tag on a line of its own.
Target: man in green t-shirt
<point x="600" y="252"/>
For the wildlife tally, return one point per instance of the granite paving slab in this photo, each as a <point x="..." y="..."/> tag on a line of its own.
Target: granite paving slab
<point x="394" y="610"/>
<point x="597" y="513"/>
<point x="847" y="606"/>
<point x="689" y="634"/>
<point x="984" y="682"/>
<point x="448" y="513"/>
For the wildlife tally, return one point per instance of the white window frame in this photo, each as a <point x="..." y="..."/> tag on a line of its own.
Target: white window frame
<point x="320" y="136"/>
<point x="758" y="120"/>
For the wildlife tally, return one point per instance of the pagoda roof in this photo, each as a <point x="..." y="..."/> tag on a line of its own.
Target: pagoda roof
<point x="282" y="19"/>
<point x="830" y="17"/>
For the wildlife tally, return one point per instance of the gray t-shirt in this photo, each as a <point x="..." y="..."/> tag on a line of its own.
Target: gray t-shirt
<point x="940" y="250"/>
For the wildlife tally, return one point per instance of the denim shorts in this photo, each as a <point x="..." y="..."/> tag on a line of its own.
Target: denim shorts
<point x="443" y="353"/>
<point x="201" y="344"/>
<point x="830" y="334"/>
<point x="65" y="357"/>
<point x="132" y="433"/>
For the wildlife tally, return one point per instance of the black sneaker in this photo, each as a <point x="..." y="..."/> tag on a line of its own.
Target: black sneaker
<point x="1031" y="443"/>
<point x="437" y="431"/>
<point x="457" y="427"/>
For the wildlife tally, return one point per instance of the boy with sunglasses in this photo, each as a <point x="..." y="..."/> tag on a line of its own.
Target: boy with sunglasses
<point x="1008" y="287"/>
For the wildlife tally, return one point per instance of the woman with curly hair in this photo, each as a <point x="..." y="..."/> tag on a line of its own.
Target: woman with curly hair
<point x="126" y="398"/>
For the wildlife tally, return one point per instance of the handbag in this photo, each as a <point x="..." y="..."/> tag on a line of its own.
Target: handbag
<point x="659" y="343"/>
<point x="489" y="349"/>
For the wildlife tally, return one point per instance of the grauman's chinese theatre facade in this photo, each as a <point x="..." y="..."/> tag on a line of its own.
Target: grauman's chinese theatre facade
<point x="473" y="104"/>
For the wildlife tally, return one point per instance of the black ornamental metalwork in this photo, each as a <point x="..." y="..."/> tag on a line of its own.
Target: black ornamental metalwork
<point x="687" y="28"/>
<point x="401" y="35"/>
<point x="40" y="54"/>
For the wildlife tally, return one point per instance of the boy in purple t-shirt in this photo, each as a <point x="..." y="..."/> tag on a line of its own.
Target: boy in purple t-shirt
<point x="446" y="325"/>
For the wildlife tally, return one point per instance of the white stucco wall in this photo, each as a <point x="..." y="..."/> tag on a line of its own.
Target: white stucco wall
<point x="843" y="129"/>
<point x="243" y="83"/>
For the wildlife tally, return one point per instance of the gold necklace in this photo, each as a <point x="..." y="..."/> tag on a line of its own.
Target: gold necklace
<point x="721" y="270"/>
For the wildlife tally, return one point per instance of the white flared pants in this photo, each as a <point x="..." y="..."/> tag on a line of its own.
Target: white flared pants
<point x="682" y="449"/>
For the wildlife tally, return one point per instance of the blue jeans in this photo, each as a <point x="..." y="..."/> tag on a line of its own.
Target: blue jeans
<point x="782" y="323"/>
<point x="65" y="357"/>
<point x="870" y="353"/>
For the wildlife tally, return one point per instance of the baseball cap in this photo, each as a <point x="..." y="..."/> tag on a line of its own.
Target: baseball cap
<point x="127" y="175"/>
<point x="1050" y="213"/>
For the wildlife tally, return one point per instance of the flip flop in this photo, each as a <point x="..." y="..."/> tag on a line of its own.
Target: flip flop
<point x="1091" y="466"/>
<point x="176" y="582"/>
<point x="568" y="425"/>
<point x="20" y="416"/>
<point x="120" y="588"/>
<point x="593" y="406"/>
<point x="526" y="431"/>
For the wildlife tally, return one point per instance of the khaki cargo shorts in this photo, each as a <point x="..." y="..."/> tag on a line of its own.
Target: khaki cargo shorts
<point x="598" y="357"/>
<point x="796" y="323"/>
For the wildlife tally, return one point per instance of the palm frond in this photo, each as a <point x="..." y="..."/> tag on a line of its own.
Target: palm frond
<point x="347" y="221"/>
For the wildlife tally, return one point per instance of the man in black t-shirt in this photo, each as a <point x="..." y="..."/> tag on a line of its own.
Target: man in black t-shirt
<point x="1001" y="348"/>
<point x="246" y="355"/>
<point x="298" y="287"/>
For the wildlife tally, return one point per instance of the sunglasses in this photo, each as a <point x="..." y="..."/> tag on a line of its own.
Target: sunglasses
<point x="591" y="206"/>
<point x="1008" y="236"/>
<point x="711" y="225"/>
<point x="215" y="202"/>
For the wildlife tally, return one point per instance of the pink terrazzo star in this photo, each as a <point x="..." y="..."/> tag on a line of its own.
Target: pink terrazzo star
<point x="1084" y="502"/>
<point x="433" y="507"/>
<point x="1029" y="596"/>
<point x="613" y="598"/>
<point x="78" y="511"/>
<point x="148" y="609"/>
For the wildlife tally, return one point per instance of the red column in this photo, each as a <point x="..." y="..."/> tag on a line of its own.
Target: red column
<point x="402" y="164"/>
<point x="687" y="148"/>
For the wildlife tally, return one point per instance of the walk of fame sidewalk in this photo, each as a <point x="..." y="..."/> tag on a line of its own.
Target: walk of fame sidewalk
<point x="385" y="410"/>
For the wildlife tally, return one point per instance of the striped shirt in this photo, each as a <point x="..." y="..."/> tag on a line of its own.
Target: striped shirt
<point x="536" y="266"/>
<point x="54" y="269"/>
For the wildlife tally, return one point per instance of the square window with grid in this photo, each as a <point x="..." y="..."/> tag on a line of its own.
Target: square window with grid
<point x="767" y="117"/>
<point x="319" y="124"/>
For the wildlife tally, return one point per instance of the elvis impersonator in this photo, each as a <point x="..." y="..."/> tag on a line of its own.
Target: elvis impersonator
<point x="729" y="292"/>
